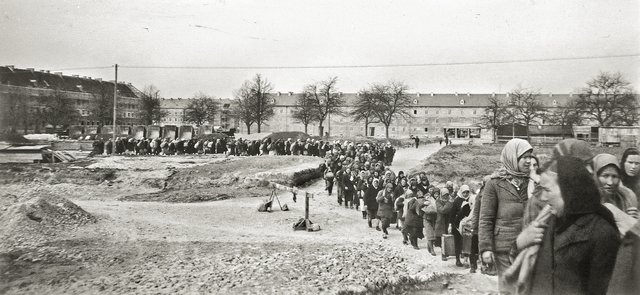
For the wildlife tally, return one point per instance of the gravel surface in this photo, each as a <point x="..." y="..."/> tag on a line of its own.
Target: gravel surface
<point x="227" y="247"/>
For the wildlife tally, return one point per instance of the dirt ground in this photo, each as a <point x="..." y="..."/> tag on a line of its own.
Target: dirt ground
<point x="225" y="247"/>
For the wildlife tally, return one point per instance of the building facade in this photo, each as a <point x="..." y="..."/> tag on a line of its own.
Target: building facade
<point x="432" y="115"/>
<point x="25" y="91"/>
<point x="176" y="108"/>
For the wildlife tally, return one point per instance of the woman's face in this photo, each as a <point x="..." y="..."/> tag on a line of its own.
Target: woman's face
<point x="524" y="162"/>
<point x="389" y="188"/>
<point x="609" y="179"/>
<point x="403" y="182"/>
<point x="551" y="192"/>
<point x="632" y="165"/>
<point x="534" y="166"/>
<point x="436" y="195"/>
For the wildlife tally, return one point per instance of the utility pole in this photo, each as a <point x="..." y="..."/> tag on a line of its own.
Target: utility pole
<point x="115" y="96"/>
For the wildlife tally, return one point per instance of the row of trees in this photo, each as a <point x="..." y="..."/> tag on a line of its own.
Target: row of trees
<point x="606" y="100"/>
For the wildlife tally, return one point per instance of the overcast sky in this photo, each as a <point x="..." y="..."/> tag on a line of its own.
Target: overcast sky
<point x="70" y="34"/>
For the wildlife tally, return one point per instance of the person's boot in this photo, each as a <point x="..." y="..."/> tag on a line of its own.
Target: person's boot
<point x="430" y="248"/>
<point x="444" y="258"/>
<point x="458" y="262"/>
<point x="370" y="225"/>
<point x="414" y="243"/>
<point x="364" y="214"/>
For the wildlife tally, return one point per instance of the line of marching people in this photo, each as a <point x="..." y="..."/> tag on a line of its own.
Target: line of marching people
<point x="565" y="226"/>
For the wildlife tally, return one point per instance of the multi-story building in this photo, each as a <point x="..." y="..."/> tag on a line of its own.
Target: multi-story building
<point x="31" y="88"/>
<point x="432" y="114"/>
<point x="176" y="108"/>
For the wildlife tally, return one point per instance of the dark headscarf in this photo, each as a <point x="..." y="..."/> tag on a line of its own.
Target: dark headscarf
<point x="579" y="191"/>
<point x="629" y="181"/>
<point x="573" y="147"/>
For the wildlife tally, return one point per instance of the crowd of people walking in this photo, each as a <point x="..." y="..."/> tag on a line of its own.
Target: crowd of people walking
<point x="566" y="226"/>
<point x="230" y="147"/>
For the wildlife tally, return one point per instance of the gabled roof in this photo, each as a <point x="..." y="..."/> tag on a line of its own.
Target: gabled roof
<point x="183" y="103"/>
<point x="45" y="79"/>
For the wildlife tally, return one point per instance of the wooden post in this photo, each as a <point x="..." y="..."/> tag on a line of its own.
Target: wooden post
<point x="306" y="211"/>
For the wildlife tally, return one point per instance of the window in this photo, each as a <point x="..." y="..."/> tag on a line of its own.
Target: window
<point x="449" y="111"/>
<point x="426" y="112"/>
<point x="415" y="112"/>
<point x="426" y="129"/>
<point x="474" y="112"/>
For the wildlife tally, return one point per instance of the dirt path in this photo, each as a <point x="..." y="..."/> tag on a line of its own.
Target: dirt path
<point x="228" y="247"/>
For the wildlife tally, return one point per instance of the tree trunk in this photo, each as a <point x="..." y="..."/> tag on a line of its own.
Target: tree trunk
<point x="495" y="135"/>
<point x="248" y="128"/>
<point x="366" y="127"/>
<point x="259" y="125"/>
<point x="305" y="128"/>
<point x="386" y="131"/>
<point x="321" y="129"/>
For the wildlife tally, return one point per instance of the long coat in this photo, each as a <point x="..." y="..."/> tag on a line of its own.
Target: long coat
<point x="412" y="218"/>
<point x="501" y="215"/>
<point x="442" y="220"/>
<point x="385" y="204"/>
<point x="370" y="198"/>
<point x="579" y="260"/>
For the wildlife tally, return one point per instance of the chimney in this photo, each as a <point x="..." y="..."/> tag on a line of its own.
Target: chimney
<point x="340" y="94"/>
<point x="468" y="94"/>
<point x="493" y="94"/>
<point x="290" y="93"/>
<point x="47" y="71"/>
<point x="550" y="94"/>
<point x="99" y="79"/>
<point x="76" y="76"/>
<point x="278" y="94"/>
<point x="431" y="94"/>
<point x="58" y="73"/>
<point x="30" y="69"/>
<point x="418" y="94"/>
<point x="456" y="93"/>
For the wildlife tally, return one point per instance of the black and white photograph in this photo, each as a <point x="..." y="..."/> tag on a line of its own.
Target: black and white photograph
<point x="320" y="147"/>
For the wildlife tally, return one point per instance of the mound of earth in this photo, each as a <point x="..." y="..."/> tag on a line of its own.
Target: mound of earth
<point x="32" y="219"/>
<point x="232" y="177"/>
<point x="13" y="138"/>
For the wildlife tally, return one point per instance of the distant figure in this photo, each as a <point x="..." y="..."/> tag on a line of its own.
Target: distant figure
<point x="446" y="140"/>
<point x="417" y="139"/>
<point x="440" y="141"/>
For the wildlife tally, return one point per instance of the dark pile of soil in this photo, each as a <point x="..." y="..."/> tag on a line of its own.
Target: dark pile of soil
<point x="13" y="138"/>
<point x="294" y="135"/>
<point x="460" y="163"/>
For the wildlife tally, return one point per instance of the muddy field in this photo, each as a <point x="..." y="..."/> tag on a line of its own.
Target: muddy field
<point x="190" y="225"/>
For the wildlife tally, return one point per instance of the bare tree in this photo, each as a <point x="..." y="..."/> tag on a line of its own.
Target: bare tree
<point x="16" y="112"/>
<point x="364" y="109"/>
<point x="608" y="99"/>
<point x="567" y="115"/>
<point x="304" y="110"/>
<point x="527" y="107"/>
<point x="101" y="106"/>
<point x="59" y="110"/>
<point x="242" y="108"/>
<point x="327" y="100"/>
<point x="392" y="102"/>
<point x="494" y="116"/>
<point x="201" y="109"/>
<point x="260" y="101"/>
<point x="150" y="111"/>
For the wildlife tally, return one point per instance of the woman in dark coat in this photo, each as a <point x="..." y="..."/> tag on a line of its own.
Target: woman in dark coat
<point x="413" y="219"/>
<point x="385" y="207"/>
<point x="430" y="218"/>
<point x="578" y="248"/>
<point x="444" y="204"/>
<point x="349" y="182"/>
<point x="503" y="202"/>
<point x="371" y="202"/>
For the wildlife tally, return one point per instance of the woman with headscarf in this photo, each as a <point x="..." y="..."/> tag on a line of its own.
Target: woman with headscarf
<point x="578" y="247"/>
<point x="503" y="202"/>
<point x="385" y="208"/>
<point x="630" y="170"/>
<point x="443" y="206"/>
<point x="430" y="217"/>
<point x="349" y="182"/>
<point x="607" y="176"/>
<point x="399" y="191"/>
<point x="461" y="197"/>
<point x="413" y="219"/>
<point x="567" y="147"/>
<point x="371" y="202"/>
